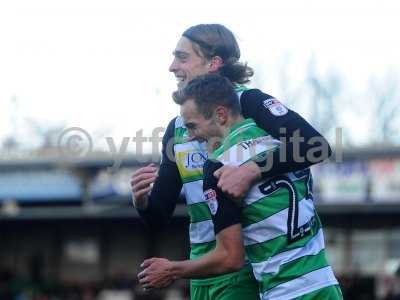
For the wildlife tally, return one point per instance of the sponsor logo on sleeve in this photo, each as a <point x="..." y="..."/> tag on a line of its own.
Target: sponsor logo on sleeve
<point x="275" y="107"/>
<point x="211" y="198"/>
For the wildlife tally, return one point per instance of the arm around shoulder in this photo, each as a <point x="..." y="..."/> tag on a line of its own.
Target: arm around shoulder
<point x="303" y="145"/>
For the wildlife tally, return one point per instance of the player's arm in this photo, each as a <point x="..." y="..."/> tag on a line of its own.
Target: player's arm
<point x="228" y="255"/>
<point x="157" y="207"/>
<point x="302" y="146"/>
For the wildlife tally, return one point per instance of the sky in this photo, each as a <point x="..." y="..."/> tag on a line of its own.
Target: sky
<point x="102" y="65"/>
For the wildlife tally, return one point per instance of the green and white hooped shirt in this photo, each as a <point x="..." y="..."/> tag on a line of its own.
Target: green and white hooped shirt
<point x="282" y="232"/>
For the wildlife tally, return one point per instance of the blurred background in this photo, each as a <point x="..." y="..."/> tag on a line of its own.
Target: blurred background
<point x="85" y="95"/>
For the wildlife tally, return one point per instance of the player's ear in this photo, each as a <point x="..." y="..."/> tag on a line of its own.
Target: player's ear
<point x="221" y="114"/>
<point x="215" y="63"/>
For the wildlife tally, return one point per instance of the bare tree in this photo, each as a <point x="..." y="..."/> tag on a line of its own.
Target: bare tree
<point x="324" y="93"/>
<point x="10" y="143"/>
<point x="386" y="110"/>
<point x="292" y="92"/>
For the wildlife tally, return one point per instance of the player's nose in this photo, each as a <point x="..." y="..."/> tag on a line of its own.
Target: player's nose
<point x="174" y="66"/>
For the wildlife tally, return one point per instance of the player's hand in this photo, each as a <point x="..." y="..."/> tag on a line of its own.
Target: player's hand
<point x="236" y="181"/>
<point x="157" y="274"/>
<point x="141" y="182"/>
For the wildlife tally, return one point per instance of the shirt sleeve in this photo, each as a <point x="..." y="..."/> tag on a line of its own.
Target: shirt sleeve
<point x="223" y="210"/>
<point x="166" y="188"/>
<point x="302" y="145"/>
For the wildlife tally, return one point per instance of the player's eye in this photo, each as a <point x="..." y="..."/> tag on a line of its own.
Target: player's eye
<point x="182" y="59"/>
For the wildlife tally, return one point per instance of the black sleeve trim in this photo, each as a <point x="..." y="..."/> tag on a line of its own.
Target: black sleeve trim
<point x="224" y="211"/>
<point x="166" y="188"/>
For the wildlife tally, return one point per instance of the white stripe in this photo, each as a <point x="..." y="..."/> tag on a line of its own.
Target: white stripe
<point x="193" y="192"/>
<point x="273" y="264"/>
<point x="179" y="122"/>
<point x="276" y="224"/>
<point x="239" y="93"/>
<point x="237" y="155"/>
<point x="201" y="232"/>
<point x="302" y="285"/>
<point x="254" y="194"/>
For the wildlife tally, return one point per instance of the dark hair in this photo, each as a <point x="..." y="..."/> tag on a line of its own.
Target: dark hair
<point x="216" y="40"/>
<point x="208" y="91"/>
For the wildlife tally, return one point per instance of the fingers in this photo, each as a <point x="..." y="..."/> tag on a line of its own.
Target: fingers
<point x="217" y="173"/>
<point x="136" y="181"/>
<point x="154" y="275"/>
<point x="143" y="174"/>
<point x="144" y="278"/>
<point x="139" y="194"/>
<point x="145" y="282"/>
<point x="141" y="276"/>
<point x="147" y="262"/>
<point x="230" y="181"/>
<point x="143" y="183"/>
<point x="223" y="174"/>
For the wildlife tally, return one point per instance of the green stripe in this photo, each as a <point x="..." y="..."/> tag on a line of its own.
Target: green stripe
<point x="220" y="282"/>
<point x="242" y="130"/>
<point x="293" y="270"/>
<point x="271" y="204"/>
<point x="241" y="126"/>
<point x="301" y="188"/>
<point x="240" y="88"/>
<point x="263" y="251"/>
<point x="180" y="137"/>
<point x="248" y="134"/>
<point x="265" y="207"/>
<point x="199" y="212"/>
<point x="198" y="250"/>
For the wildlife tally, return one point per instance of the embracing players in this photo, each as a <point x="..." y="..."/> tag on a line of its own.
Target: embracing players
<point x="203" y="49"/>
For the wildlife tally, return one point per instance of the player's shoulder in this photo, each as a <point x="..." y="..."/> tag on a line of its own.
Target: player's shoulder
<point x="173" y="122"/>
<point x="254" y="94"/>
<point x="176" y="122"/>
<point x="170" y="131"/>
<point x="255" y="102"/>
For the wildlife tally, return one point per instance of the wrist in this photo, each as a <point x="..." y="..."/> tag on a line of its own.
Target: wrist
<point x="177" y="269"/>
<point x="253" y="170"/>
<point x="142" y="203"/>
